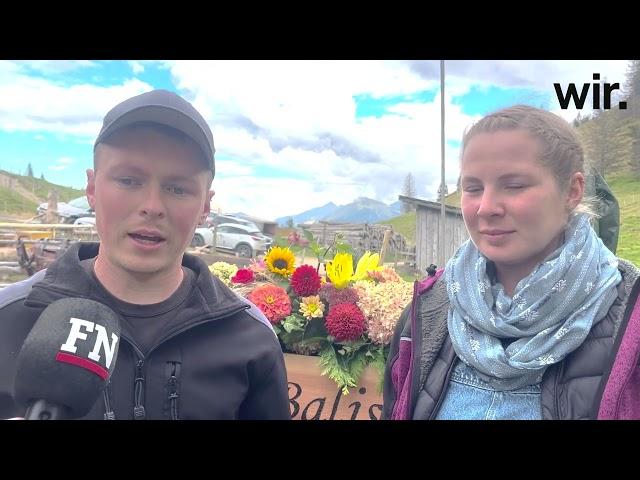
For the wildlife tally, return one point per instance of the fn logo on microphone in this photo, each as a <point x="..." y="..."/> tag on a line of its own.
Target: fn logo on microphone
<point x="100" y="338"/>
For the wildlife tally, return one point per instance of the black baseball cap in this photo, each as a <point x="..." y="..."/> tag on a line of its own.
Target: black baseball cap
<point x="165" y="108"/>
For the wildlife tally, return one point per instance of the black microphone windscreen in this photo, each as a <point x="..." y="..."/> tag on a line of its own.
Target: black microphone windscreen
<point x="68" y="356"/>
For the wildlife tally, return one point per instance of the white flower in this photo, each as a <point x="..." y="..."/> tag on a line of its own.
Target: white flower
<point x="530" y="314"/>
<point x="520" y="302"/>
<point x="546" y="359"/>
<point x="588" y="287"/>
<point x="455" y="287"/>
<point x="475" y="344"/>
<point x="560" y="333"/>
<point x="559" y="286"/>
<point x="579" y="255"/>
<point x="482" y="287"/>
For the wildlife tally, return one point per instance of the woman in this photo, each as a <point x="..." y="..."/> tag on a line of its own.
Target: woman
<point x="533" y="317"/>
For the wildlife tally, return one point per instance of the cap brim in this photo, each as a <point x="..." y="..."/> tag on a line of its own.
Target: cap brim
<point x="164" y="116"/>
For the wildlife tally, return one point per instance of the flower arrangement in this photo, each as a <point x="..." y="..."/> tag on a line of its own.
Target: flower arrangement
<point x="344" y="316"/>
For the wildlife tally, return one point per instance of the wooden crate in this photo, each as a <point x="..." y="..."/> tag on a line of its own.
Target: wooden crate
<point x="313" y="396"/>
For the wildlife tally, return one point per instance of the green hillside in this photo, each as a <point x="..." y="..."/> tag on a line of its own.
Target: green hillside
<point x="13" y="203"/>
<point x="41" y="188"/>
<point x="20" y="202"/>
<point x="627" y="190"/>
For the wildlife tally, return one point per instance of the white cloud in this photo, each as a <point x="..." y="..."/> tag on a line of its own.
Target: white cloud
<point x="36" y="104"/>
<point x="136" y="66"/>
<point x="56" y="66"/>
<point x="65" y="161"/>
<point x="38" y="137"/>
<point x="286" y="132"/>
<point x="57" y="167"/>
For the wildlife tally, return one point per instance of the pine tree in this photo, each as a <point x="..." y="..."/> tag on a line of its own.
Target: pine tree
<point x="29" y="172"/>
<point x="408" y="190"/>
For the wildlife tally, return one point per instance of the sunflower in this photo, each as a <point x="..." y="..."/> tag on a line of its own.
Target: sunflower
<point x="280" y="260"/>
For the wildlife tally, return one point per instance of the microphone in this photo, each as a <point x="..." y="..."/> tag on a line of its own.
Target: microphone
<point x="67" y="359"/>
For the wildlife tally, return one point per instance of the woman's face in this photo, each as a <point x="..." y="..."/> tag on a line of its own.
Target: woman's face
<point x="512" y="205"/>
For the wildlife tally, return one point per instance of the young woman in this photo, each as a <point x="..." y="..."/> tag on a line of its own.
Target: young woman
<point x="533" y="317"/>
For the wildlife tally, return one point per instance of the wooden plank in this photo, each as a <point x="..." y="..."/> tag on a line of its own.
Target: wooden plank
<point x="313" y="396"/>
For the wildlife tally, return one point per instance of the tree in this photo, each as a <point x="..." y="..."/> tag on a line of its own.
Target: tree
<point x="29" y="170"/>
<point x="632" y="88"/>
<point x="408" y="190"/>
<point x="42" y="176"/>
<point x="290" y="222"/>
<point x="605" y="142"/>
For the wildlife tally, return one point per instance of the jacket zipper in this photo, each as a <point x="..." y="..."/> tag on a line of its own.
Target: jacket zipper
<point x="138" y="392"/>
<point x="139" y="412"/>
<point x="556" y="397"/>
<point x="173" y="390"/>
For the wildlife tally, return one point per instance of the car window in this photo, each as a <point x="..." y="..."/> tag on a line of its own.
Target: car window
<point x="237" y="230"/>
<point x="80" y="202"/>
<point x="223" y="229"/>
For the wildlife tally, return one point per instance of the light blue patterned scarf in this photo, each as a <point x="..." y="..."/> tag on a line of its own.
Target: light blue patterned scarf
<point x="512" y="341"/>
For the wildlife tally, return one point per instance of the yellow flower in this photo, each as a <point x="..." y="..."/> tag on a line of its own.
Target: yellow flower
<point x="280" y="260"/>
<point x="311" y="307"/>
<point x="340" y="270"/>
<point x="367" y="263"/>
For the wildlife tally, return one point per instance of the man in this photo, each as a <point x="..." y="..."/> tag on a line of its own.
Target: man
<point x="191" y="348"/>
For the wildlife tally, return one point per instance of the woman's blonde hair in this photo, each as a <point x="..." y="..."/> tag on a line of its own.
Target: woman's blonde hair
<point x="560" y="147"/>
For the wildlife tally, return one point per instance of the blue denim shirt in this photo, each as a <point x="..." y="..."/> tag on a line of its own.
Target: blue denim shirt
<point x="468" y="397"/>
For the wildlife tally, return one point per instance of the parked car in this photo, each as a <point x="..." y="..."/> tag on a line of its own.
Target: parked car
<point x="70" y="211"/>
<point x="85" y="221"/>
<point x="217" y="219"/>
<point x="245" y="241"/>
<point x="202" y="236"/>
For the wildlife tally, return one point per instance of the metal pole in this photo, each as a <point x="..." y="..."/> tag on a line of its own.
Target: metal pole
<point x="441" y="240"/>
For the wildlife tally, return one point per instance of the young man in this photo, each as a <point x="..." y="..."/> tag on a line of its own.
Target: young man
<point x="190" y="348"/>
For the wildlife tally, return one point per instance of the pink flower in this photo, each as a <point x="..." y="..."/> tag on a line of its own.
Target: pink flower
<point x="345" y="322"/>
<point x="305" y="281"/>
<point x="330" y="294"/>
<point x="244" y="275"/>
<point x="272" y="300"/>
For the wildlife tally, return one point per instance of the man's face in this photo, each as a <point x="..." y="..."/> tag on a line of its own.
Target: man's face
<point x="149" y="192"/>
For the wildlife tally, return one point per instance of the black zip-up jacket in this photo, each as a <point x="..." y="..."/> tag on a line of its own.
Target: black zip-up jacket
<point x="219" y="359"/>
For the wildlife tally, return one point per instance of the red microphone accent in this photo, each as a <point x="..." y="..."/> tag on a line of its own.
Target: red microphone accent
<point x="84" y="363"/>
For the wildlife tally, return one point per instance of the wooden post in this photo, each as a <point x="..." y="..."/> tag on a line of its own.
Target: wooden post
<point x="385" y="244"/>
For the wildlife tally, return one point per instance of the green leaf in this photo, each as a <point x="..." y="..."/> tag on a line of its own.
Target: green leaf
<point x="308" y="235"/>
<point x="293" y="323"/>
<point x="315" y="328"/>
<point x="336" y="370"/>
<point x="281" y="242"/>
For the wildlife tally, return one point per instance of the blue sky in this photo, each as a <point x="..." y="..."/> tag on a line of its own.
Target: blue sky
<point x="290" y="135"/>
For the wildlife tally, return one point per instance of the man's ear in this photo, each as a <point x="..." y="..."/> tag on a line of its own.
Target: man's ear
<point x="91" y="188"/>
<point x="207" y="206"/>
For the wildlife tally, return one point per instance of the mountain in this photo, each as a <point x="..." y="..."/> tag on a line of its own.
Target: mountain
<point x="362" y="210"/>
<point x="313" y="215"/>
